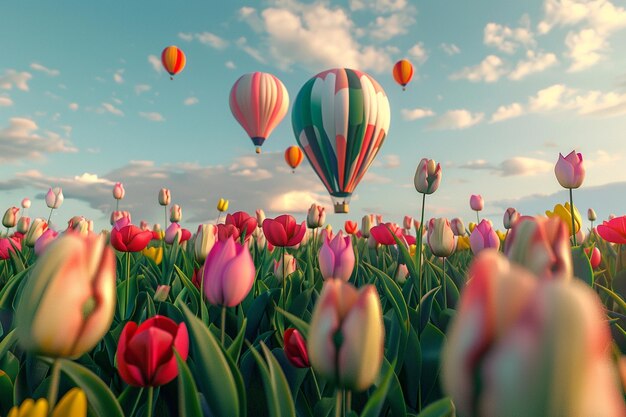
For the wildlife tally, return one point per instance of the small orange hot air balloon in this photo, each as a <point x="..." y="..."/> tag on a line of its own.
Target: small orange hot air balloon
<point x="403" y="72"/>
<point x="173" y="60"/>
<point x="293" y="157"/>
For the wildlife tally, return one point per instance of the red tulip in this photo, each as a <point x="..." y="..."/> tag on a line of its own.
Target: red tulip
<point x="225" y="231"/>
<point x="145" y="353"/>
<point x="351" y="227"/>
<point x="283" y="231"/>
<point x="244" y="223"/>
<point x="595" y="258"/>
<point x="614" y="230"/>
<point x="295" y="349"/>
<point x="8" y="244"/>
<point x="126" y="237"/>
<point x="382" y="235"/>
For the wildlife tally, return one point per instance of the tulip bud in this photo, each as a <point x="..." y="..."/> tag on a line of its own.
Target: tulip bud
<point x="289" y="267"/>
<point x="595" y="258"/>
<point x="295" y="349"/>
<point x="458" y="228"/>
<point x="10" y="217"/>
<point x="591" y="215"/>
<point x="55" y="322"/>
<point x="350" y="227"/>
<point x="26" y="203"/>
<point x="476" y="202"/>
<point x="407" y="223"/>
<point x="161" y="293"/>
<point x="206" y="236"/>
<point x="44" y="240"/>
<point x="222" y="205"/>
<point x="569" y="170"/>
<point x="401" y="274"/>
<point x="510" y="217"/>
<point x="54" y="198"/>
<point x="176" y="213"/>
<point x="144" y="225"/>
<point x="316" y="216"/>
<point x="427" y="176"/>
<point x="336" y="257"/>
<point x="165" y="197"/>
<point x="155" y="253"/>
<point x="119" y="214"/>
<point x="471" y="226"/>
<point x="37" y="227"/>
<point x="260" y="217"/>
<point x="346" y="335"/>
<point x="118" y="191"/>
<point x="484" y="237"/>
<point x="440" y="237"/>
<point x="23" y="224"/>
<point x="368" y="221"/>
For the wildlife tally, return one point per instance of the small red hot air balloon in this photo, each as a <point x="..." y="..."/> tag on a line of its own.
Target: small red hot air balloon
<point x="293" y="157"/>
<point x="403" y="72"/>
<point x="173" y="60"/>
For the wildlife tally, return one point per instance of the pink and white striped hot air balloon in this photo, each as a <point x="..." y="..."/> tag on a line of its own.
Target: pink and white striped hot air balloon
<point x="259" y="101"/>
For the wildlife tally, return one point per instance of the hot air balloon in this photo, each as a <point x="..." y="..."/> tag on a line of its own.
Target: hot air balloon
<point x="173" y="60"/>
<point x="403" y="72"/>
<point x="259" y="101"/>
<point x="293" y="157"/>
<point x="340" y="119"/>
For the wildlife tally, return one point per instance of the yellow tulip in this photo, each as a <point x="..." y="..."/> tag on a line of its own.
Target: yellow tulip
<point x="501" y="235"/>
<point x="563" y="213"/>
<point x="463" y="243"/>
<point x="30" y="408"/>
<point x="155" y="253"/>
<point x="471" y="226"/>
<point x="412" y="250"/>
<point x="74" y="404"/>
<point x="222" y="205"/>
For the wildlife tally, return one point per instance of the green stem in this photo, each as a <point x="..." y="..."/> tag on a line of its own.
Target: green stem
<point x="149" y="402"/>
<point x="219" y="215"/>
<point x="338" y="406"/>
<point x="165" y="217"/>
<point x="127" y="286"/>
<point x="132" y="412"/>
<point x="571" y="210"/>
<point x="284" y="279"/>
<point x="223" y="325"/>
<point x="117" y="205"/>
<point x="343" y="408"/>
<point x="443" y="282"/>
<point x="317" y="387"/>
<point x="54" y="383"/>
<point x="418" y="252"/>
<point x="348" y="401"/>
<point x="477" y="218"/>
<point x="50" y="215"/>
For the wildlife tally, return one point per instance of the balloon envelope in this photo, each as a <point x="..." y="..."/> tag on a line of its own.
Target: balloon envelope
<point x="293" y="156"/>
<point x="173" y="60"/>
<point x="259" y="101"/>
<point x="340" y="119"/>
<point x="403" y="72"/>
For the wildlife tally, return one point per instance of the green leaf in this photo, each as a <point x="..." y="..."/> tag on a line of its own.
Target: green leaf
<point x="7" y="342"/>
<point x="425" y="308"/>
<point x="100" y="398"/>
<point x="7" y="295"/>
<point x="375" y="403"/>
<point x="214" y="375"/>
<point x="431" y="342"/>
<point x="618" y="300"/>
<point x="393" y="295"/>
<point x="234" y="350"/>
<point x="301" y="325"/>
<point x="6" y="393"/>
<point x="188" y="402"/>
<point x="582" y="266"/>
<point x="441" y="408"/>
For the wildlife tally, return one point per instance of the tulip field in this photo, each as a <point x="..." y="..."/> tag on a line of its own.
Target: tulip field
<point x="256" y="316"/>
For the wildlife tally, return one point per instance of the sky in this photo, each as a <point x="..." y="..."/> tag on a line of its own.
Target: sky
<point x="500" y="88"/>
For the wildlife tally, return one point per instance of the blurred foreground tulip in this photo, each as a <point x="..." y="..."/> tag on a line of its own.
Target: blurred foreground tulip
<point x="346" y="335"/>
<point x="126" y="237"/>
<point x="69" y="299"/>
<point x="73" y="404"/>
<point x="440" y="237"/>
<point x="614" y="230"/>
<point x="336" y="257"/>
<point x="145" y="353"/>
<point x="316" y="216"/>
<point x="283" y="231"/>
<point x="427" y="176"/>
<point x="564" y="213"/>
<point x="295" y="349"/>
<point x="9" y="219"/>
<point x="569" y="170"/>
<point x="484" y="237"/>
<point x="284" y="267"/>
<point x="228" y="273"/>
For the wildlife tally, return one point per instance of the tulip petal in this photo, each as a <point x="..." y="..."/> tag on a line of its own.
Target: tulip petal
<point x="150" y="349"/>
<point x="237" y="277"/>
<point x="73" y="403"/>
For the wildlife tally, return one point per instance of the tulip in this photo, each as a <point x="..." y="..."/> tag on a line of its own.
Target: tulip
<point x="10" y="217"/>
<point x="80" y="225"/>
<point x="457" y="226"/>
<point x="346" y="335"/>
<point x="145" y="353"/>
<point x="206" y="236"/>
<point x="368" y="221"/>
<point x="176" y="213"/>
<point x="565" y="214"/>
<point x="26" y="203"/>
<point x="477" y="204"/>
<point x="463" y="243"/>
<point x="260" y="217"/>
<point x="569" y="170"/>
<point x="285" y="267"/>
<point x="402" y="272"/>
<point x="295" y="349"/>
<point x="54" y="198"/>
<point x="336" y="257"/>
<point x="407" y="223"/>
<point x="69" y="299"/>
<point x="595" y="257"/>
<point x="126" y="237"/>
<point x="228" y="273"/>
<point x="283" y="231"/>
<point x="73" y="403"/>
<point x="316" y="216"/>
<point x="165" y="197"/>
<point x="44" y="240"/>
<point x="350" y="227"/>
<point x="614" y="230"/>
<point x="440" y="237"/>
<point x="484" y="237"/>
<point x="36" y="229"/>
<point x="144" y="225"/>
<point x="225" y="231"/>
<point x="427" y="176"/>
<point x="23" y="224"/>
<point x="119" y="214"/>
<point x="155" y="253"/>
<point x="118" y="191"/>
<point x="383" y="233"/>
<point x="510" y="217"/>
<point x="161" y="293"/>
<point x="591" y="215"/>
<point x="471" y="226"/>
<point x="245" y="224"/>
<point x="7" y="245"/>
<point x="222" y="205"/>
<point x="176" y="233"/>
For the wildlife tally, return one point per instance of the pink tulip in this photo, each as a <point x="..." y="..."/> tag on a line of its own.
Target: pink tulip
<point x="569" y="170"/>
<point x="484" y="237"/>
<point x="118" y="214"/>
<point x="476" y="202"/>
<point x="175" y="233"/>
<point x="54" y="198"/>
<point x="402" y="274"/>
<point x="407" y="223"/>
<point x="289" y="267"/>
<point x="44" y="240"/>
<point x="26" y="203"/>
<point x="165" y="197"/>
<point x="614" y="230"/>
<point x="283" y="231"/>
<point x="316" y="216"/>
<point x="144" y="225"/>
<point x="457" y="226"/>
<point x="427" y="176"/>
<point x="7" y="245"/>
<point x="118" y="191"/>
<point x="228" y="273"/>
<point x="336" y="257"/>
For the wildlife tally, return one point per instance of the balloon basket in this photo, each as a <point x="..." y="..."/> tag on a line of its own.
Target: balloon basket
<point x="342" y="207"/>
<point x="258" y="149"/>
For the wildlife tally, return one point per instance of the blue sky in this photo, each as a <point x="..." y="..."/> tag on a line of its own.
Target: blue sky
<point x="500" y="89"/>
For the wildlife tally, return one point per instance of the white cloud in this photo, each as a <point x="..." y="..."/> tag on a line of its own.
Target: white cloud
<point x="450" y="48"/>
<point x="418" y="53"/>
<point x="190" y="101"/>
<point x="188" y="37"/>
<point x="374" y="178"/>
<point x="142" y="88"/>
<point x="117" y="77"/>
<point x="152" y="116"/>
<point x="242" y="43"/>
<point x="456" y="119"/>
<point x="73" y="106"/>
<point x="535" y="62"/>
<point x="21" y="140"/>
<point x="417" y="113"/>
<point x="391" y="161"/>
<point x="585" y="48"/>
<point x="251" y="17"/>
<point x="211" y="39"/>
<point x="381" y="6"/>
<point x="585" y="103"/>
<point x="549" y="98"/>
<point x="516" y="166"/>
<point x="5" y="101"/>
<point x="297" y="201"/>
<point x="489" y="70"/>
<point x="12" y="78"/>
<point x="230" y="65"/>
<point x="506" y="39"/>
<point x="108" y="107"/>
<point x="41" y="68"/>
<point x="507" y="112"/>
<point x="155" y="61"/>
<point x="388" y="27"/>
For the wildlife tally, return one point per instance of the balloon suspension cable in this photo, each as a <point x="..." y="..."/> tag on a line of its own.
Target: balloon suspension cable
<point x="171" y="78"/>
